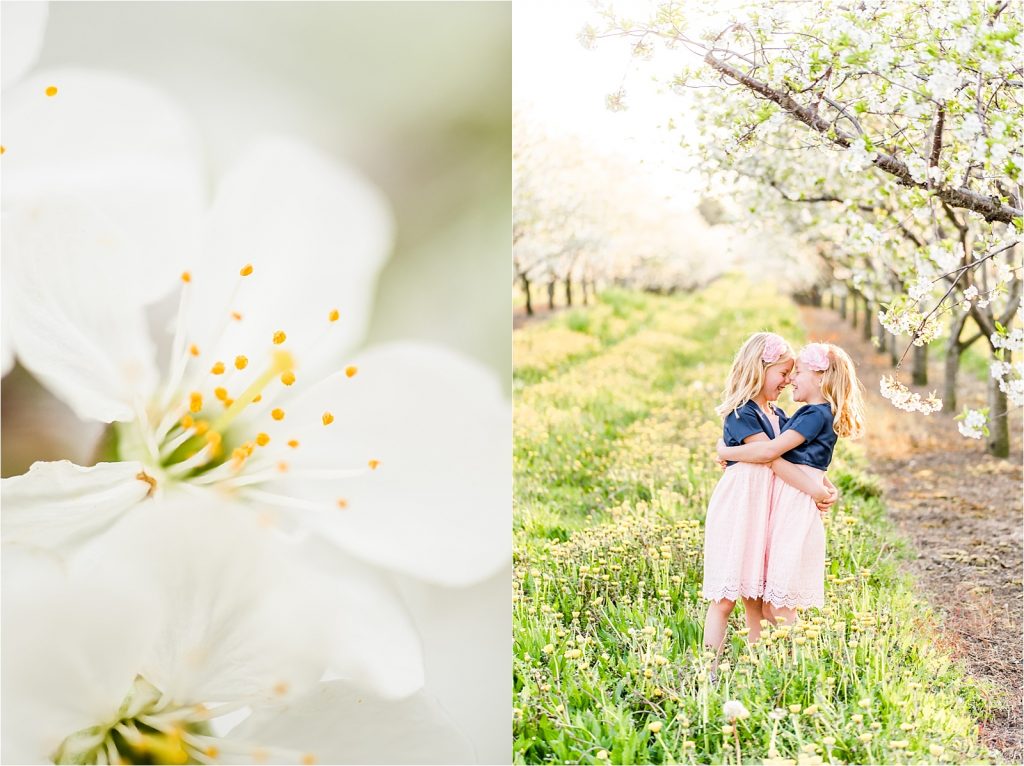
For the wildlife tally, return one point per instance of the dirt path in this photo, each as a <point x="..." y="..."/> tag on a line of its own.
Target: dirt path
<point x="961" y="511"/>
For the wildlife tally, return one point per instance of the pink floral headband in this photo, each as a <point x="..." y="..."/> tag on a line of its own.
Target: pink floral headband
<point x="774" y="348"/>
<point x="815" y="356"/>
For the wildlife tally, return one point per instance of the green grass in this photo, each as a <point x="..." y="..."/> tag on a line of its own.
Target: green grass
<point x="613" y="471"/>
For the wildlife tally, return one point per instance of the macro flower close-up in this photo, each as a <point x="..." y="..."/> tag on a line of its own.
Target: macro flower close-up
<point x="237" y="540"/>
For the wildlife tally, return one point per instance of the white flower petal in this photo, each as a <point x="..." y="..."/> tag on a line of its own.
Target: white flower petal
<point x="22" y="38"/>
<point x="238" y="621"/>
<point x="375" y="643"/>
<point x="439" y="504"/>
<point x="123" y="151"/>
<point x="71" y="651"/>
<point x="465" y="651"/>
<point x="61" y="506"/>
<point x="90" y="349"/>
<point x="316" y="234"/>
<point x="337" y="723"/>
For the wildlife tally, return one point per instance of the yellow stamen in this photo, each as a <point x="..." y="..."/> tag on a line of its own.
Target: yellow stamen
<point x="186" y="276"/>
<point x="333" y="316"/>
<point x="308" y="759"/>
<point x="213" y="438"/>
<point x="143" y="476"/>
<point x="328" y="418"/>
<point x="193" y="349"/>
<point x="293" y="443"/>
<point x="279" y="337"/>
<point x="282" y="466"/>
<point x="373" y="464"/>
<point x="218" y="368"/>
<point x="187" y="422"/>
<point x="277" y="413"/>
<point x="280" y="361"/>
<point x="195" y="401"/>
<point x="228" y="402"/>
<point x="246" y="270"/>
<point x="288" y="377"/>
<point x="262" y="439"/>
<point x="221" y="393"/>
<point x="350" y="371"/>
<point x="202" y="427"/>
<point x="257" y="398"/>
<point x="342" y="503"/>
<point x="241" y="362"/>
<point x="212" y="751"/>
<point x="281" y="688"/>
<point x="236" y="316"/>
<point x="2" y="150"/>
<point x="51" y="91"/>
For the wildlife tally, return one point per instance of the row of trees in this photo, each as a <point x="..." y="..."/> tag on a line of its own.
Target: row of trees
<point x="585" y="219"/>
<point x="885" y="137"/>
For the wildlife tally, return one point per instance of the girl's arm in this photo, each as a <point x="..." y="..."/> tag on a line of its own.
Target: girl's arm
<point x="761" y="450"/>
<point x="802" y="481"/>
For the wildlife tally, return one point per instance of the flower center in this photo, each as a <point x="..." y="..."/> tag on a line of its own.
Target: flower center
<point x="192" y="431"/>
<point x="147" y="729"/>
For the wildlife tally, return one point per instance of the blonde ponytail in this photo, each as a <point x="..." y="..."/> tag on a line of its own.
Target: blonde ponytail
<point x="844" y="392"/>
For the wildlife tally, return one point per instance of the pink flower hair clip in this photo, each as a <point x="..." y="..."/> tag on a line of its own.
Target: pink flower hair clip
<point x="815" y="356"/>
<point x="774" y="348"/>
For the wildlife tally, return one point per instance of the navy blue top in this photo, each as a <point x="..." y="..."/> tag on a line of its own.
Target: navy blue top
<point x="746" y="421"/>
<point x="814" y="423"/>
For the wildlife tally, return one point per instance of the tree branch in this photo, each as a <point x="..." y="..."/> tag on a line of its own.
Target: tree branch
<point x="990" y="208"/>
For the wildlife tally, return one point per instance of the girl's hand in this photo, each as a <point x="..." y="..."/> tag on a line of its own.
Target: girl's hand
<point x="722" y="462"/>
<point x="827" y="497"/>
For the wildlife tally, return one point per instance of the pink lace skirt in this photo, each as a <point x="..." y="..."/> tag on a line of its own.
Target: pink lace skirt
<point x="736" y="533"/>
<point x="795" y="560"/>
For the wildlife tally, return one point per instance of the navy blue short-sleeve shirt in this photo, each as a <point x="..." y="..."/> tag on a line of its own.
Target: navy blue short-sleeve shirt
<point x="814" y="423"/>
<point x="746" y="421"/>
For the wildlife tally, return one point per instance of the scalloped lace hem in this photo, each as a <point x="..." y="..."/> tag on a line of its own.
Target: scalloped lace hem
<point x="733" y="592"/>
<point x="788" y="599"/>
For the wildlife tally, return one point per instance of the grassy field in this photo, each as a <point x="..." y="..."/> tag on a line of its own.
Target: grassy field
<point x="614" y="434"/>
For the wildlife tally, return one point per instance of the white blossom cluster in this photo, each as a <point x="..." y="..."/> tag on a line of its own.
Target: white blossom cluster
<point x="907" y="320"/>
<point x="904" y="399"/>
<point x="973" y="423"/>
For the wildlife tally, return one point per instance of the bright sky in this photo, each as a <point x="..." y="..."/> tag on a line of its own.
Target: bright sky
<point x="563" y="86"/>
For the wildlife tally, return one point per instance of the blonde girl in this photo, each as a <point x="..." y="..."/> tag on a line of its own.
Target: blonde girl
<point x="736" y="525"/>
<point x="824" y="378"/>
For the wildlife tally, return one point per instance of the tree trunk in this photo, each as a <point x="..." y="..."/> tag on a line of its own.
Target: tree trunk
<point x="831" y="300"/>
<point x="953" y="351"/>
<point x="998" y="420"/>
<point x="842" y="306"/>
<point x="867" y="319"/>
<point x="583" y="288"/>
<point x="854" y="310"/>
<point x="526" y="289"/>
<point x="568" y="292"/>
<point x="884" y="338"/>
<point x="894" y="351"/>
<point x="551" y="295"/>
<point x="919" y="368"/>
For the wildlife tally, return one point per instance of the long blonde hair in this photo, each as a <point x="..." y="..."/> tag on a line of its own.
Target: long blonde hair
<point x="746" y="377"/>
<point x="844" y="392"/>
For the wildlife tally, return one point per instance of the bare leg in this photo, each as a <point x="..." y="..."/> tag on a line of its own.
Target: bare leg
<point x="752" y="609"/>
<point x="784" y="614"/>
<point x="715" y="624"/>
<point x="768" y="611"/>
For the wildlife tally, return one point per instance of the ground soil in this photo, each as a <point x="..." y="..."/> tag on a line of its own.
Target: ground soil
<point x="960" y="509"/>
<point x="541" y="312"/>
